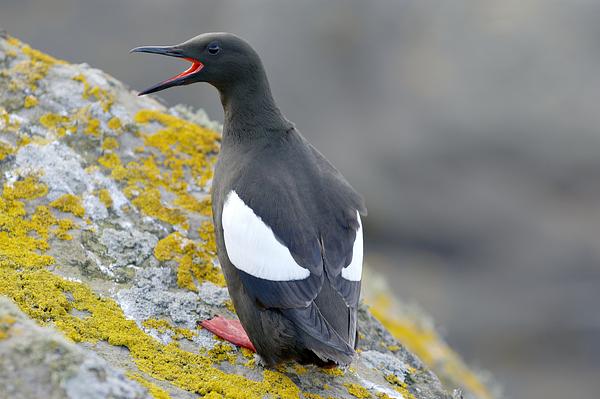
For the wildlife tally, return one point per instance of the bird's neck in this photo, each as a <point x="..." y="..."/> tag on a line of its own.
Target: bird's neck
<point x="250" y="111"/>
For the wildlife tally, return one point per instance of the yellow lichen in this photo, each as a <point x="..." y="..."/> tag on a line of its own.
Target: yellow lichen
<point x="27" y="188"/>
<point x="191" y="203"/>
<point x="5" y="150"/>
<point x="114" y="123"/>
<point x="145" y="195"/>
<point x="105" y="98"/>
<point x="81" y="78"/>
<point x="7" y="123"/>
<point x="334" y="371"/>
<point x="163" y="326"/>
<point x="222" y="353"/>
<point x="58" y="124"/>
<point x="425" y="342"/>
<point x="69" y="203"/>
<point x="30" y="102"/>
<point x="93" y="127"/>
<point x="183" y="144"/>
<point x="189" y="271"/>
<point x="194" y="263"/>
<point x="170" y="246"/>
<point x="13" y="41"/>
<point x="30" y="72"/>
<point x="18" y="247"/>
<point x="229" y="305"/>
<point x="251" y="363"/>
<point x="64" y="225"/>
<point x="51" y="299"/>
<point x="247" y="353"/>
<point x="177" y="150"/>
<point x="42" y="295"/>
<point x="299" y="369"/>
<point x="83" y="117"/>
<point x="6" y="322"/>
<point x="110" y="143"/>
<point x="399" y="386"/>
<point x="207" y="234"/>
<point x="308" y="395"/>
<point x="149" y="202"/>
<point x="105" y="197"/>
<point x="23" y="141"/>
<point x="38" y="56"/>
<point x="34" y="69"/>
<point x="154" y="390"/>
<point x="357" y="391"/>
<point x="110" y="161"/>
<point x="42" y="219"/>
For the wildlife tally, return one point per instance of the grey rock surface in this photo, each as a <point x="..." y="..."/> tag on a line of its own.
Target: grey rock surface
<point x="38" y="362"/>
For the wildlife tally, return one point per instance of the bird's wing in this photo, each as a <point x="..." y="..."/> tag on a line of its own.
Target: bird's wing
<point x="279" y="261"/>
<point x="342" y="235"/>
<point x="284" y="251"/>
<point x="295" y="236"/>
<point x="342" y="242"/>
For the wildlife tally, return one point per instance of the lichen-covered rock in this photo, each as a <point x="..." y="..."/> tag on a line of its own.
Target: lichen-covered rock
<point x="105" y="236"/>
<point x="37" y="362"/>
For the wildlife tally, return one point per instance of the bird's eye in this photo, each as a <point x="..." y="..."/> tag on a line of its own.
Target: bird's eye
<point x="214" y="48"/>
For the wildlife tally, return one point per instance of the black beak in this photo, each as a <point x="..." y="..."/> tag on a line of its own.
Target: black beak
<point x="171" y="51"/>
<point x="178" y="80"/>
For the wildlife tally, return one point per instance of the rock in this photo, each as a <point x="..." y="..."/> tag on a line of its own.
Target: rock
<point x="106" y="240"/>
<point x="128" y="247"/>
<point x="38" y="362"/>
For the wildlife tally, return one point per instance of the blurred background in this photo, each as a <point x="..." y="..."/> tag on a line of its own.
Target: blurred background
<point x="471" y="127"/>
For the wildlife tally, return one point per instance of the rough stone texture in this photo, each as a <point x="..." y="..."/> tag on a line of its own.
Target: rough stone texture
<point x="37" y="362"/>
<point x="105" y="236"/>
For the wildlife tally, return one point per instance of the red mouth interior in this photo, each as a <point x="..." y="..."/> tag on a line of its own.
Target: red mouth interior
<point x="195" y="67"/>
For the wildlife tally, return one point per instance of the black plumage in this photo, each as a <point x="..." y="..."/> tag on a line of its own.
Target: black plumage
<point x="308" y="205"/>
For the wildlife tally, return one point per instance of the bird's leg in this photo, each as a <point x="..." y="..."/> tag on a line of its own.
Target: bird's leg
<point x="229" y="330"/>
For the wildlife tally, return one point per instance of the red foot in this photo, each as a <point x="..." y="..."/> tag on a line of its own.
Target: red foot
<point x="230" y="330"/>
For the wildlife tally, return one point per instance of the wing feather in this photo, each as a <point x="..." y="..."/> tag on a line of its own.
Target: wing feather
<point x="296" y="238"/>
<point x="252" y="246"/>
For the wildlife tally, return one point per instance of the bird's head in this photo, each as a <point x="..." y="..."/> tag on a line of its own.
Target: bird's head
<point x="220" y="59"/>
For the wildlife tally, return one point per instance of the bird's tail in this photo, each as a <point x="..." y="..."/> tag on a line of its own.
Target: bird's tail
<point x="319" y="336"/>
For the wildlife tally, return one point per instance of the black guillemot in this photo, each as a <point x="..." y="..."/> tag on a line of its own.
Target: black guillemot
<point x="287" y="223"/>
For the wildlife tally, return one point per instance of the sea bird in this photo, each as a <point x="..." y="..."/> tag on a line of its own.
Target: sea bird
<point x="287" y="223"/>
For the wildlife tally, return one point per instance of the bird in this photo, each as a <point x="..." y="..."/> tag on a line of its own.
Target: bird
<point x="287" y="223"/>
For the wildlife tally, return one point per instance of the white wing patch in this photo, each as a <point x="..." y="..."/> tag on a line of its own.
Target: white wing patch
<point x="353" y="271"/>
<point x="252" y="246"/>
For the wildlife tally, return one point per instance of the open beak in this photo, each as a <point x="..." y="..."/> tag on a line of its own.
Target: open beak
<point x="177" y="80"/>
